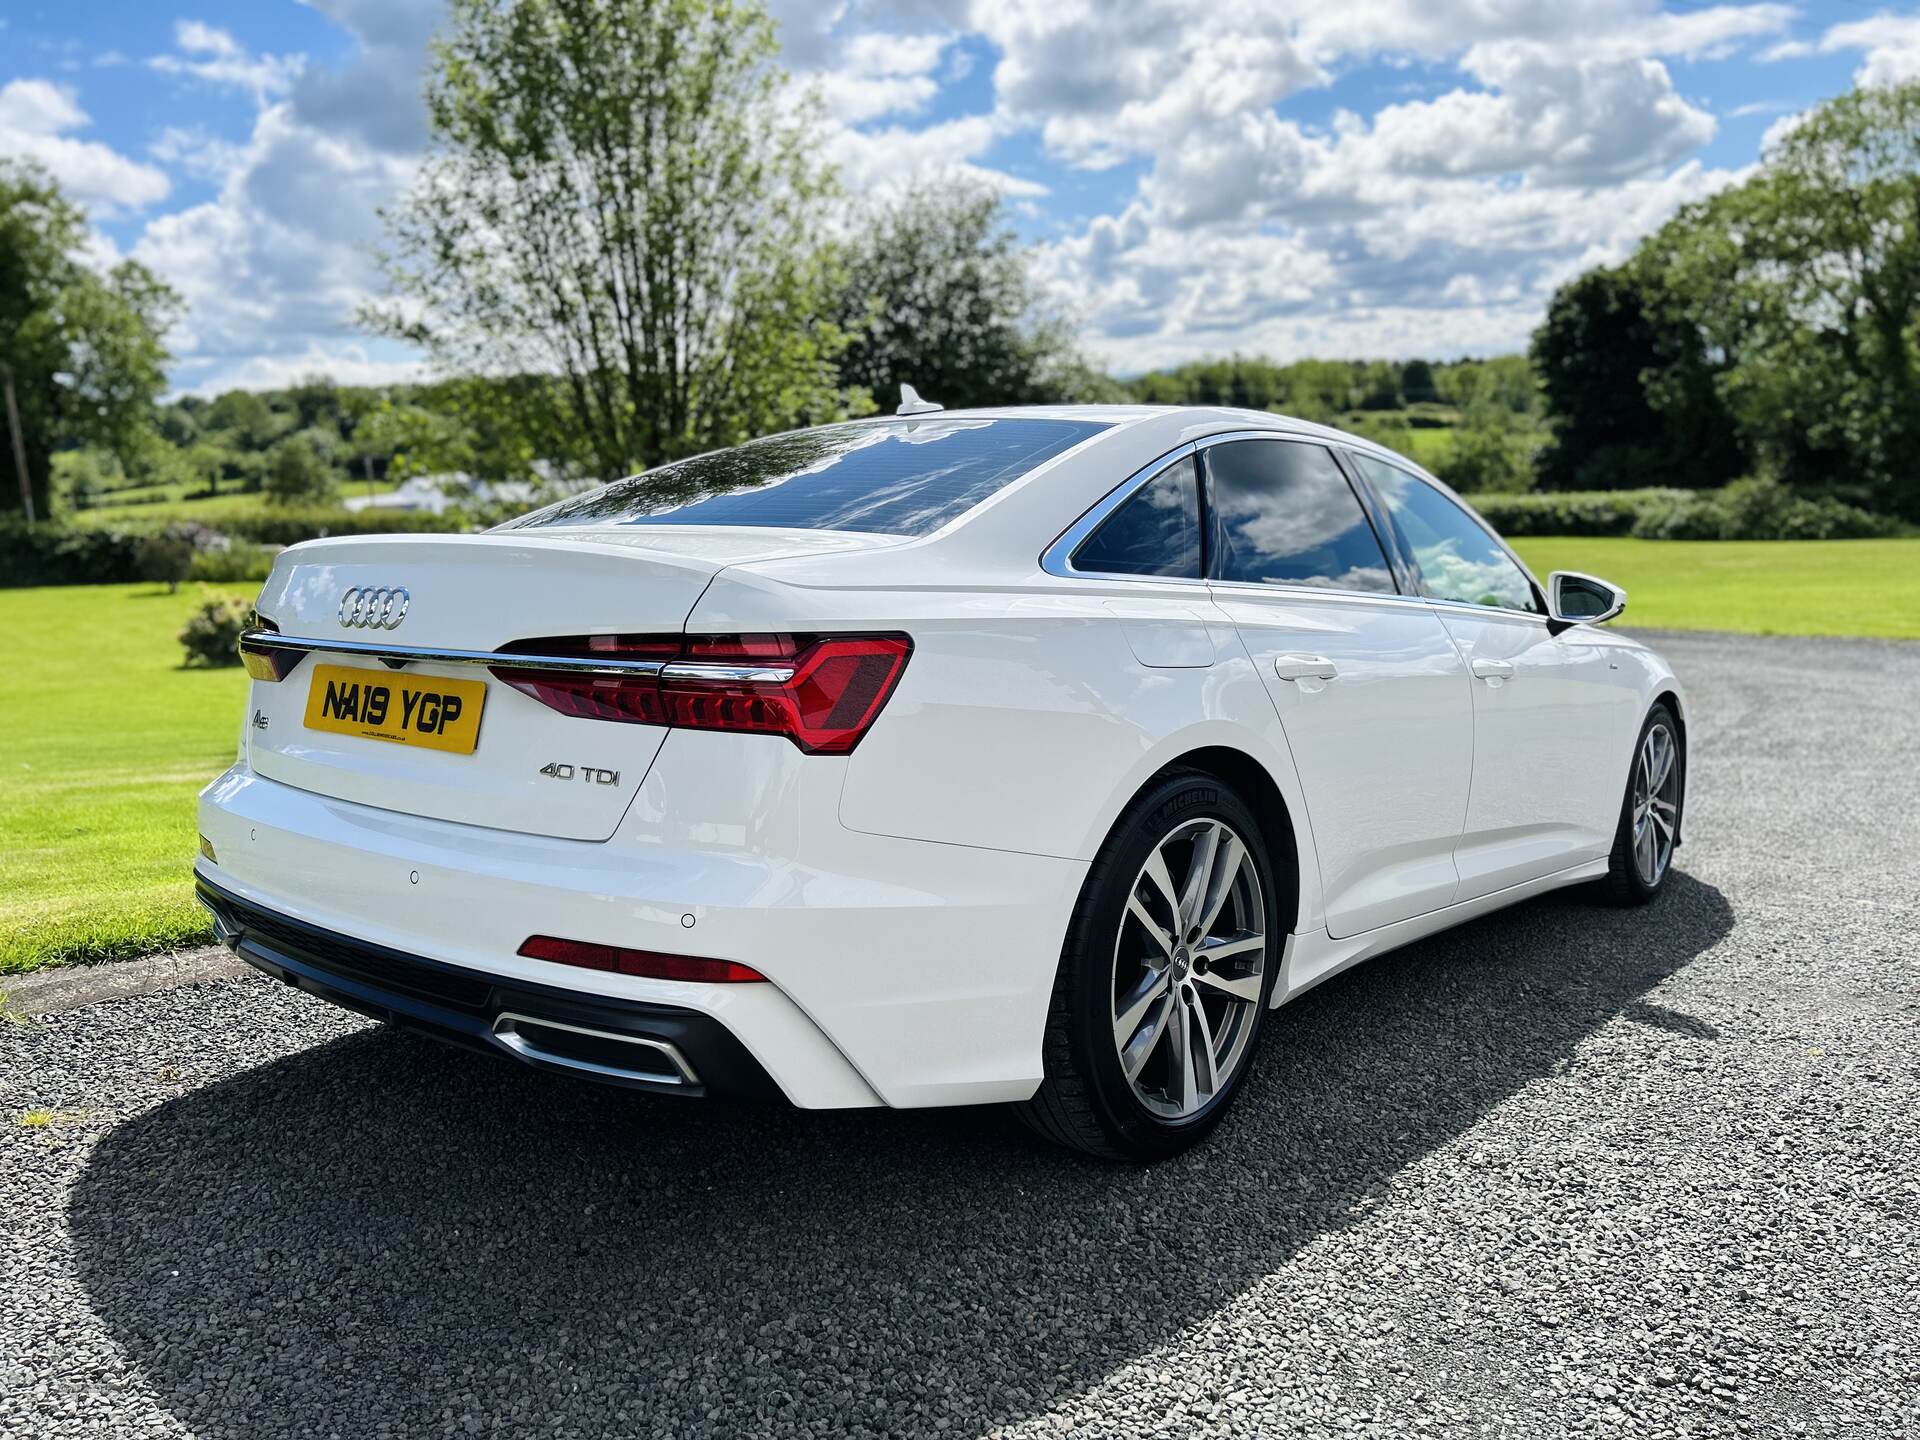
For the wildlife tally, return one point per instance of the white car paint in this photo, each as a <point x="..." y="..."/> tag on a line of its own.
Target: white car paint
<point x="907" y="902"/>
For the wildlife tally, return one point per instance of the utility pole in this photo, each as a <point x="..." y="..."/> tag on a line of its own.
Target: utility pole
<point x="19" y="445"/>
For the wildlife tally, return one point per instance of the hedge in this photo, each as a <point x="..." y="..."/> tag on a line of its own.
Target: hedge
<point x="1744" y="510"/>
<point x="66" y="555"/>
<point x="278" y="525"/>
<point x="56" y="553"/>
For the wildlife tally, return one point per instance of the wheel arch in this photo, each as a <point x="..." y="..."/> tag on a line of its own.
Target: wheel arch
<point x="1278" y="824"/>
<point x="1669" y="696"/>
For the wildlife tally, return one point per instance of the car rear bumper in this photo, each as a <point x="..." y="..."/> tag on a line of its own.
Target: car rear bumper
<point x="901" y="972"/>
<point x="660" y="1048"/>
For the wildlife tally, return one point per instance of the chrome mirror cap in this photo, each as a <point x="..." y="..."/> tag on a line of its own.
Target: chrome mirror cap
<point x="1577" y="599"/>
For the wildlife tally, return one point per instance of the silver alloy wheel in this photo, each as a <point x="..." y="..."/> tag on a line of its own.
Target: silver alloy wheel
<point x="1656" y="804"/>
<point x="1188" y="967"/>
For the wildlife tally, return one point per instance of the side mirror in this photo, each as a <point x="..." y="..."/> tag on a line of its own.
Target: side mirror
<point x="1576" y="599"/>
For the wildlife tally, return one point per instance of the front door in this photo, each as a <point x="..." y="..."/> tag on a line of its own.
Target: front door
<point x="1544" y="705"/>
<point x="1372" y="693"/>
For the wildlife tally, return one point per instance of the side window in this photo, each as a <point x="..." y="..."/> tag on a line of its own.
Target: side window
<point x="1283" y="514"/>
<point x="1156" y="532"/>
<point x="1456" y="557"/>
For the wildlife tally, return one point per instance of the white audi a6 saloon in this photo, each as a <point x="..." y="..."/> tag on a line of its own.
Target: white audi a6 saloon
<point x="1025" y="755"/>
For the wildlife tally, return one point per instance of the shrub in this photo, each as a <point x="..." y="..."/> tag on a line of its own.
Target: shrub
<point x="236" y="564"/>
<point x="1485" y="457"/>
<point x="211" y="635"/>
<point x="165" y="557"/>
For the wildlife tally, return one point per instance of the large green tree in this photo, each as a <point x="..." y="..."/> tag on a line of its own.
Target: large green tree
<point x="1629" y="390"/>
<point x="617" y="194"/>
<point x="938" y="294"/>
<point x="1806" y="279"/>
<point x="84" y="349"/>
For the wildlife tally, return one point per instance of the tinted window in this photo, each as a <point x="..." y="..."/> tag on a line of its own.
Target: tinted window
<point x="896" y="477"/>
<point x="1156" y="532"/>
<point x="1456" y="557"/>
<point x="1283" y="514"/>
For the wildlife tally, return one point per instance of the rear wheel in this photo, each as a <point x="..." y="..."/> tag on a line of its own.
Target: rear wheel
<point x="1649" y="829"/>
<point x="1164" y="977"/>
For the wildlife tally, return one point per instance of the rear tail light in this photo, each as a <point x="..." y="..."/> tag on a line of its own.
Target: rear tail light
<point x="621" y="961"/>
<point x="822" y="692"/>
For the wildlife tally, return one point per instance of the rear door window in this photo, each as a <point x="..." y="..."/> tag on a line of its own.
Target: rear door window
<point x="890" y="477"/>
<point x="1155" y="532"/>
<point x="1283" y="513"/>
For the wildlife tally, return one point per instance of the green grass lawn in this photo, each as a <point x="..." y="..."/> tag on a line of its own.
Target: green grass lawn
<point x="104" y="741"/>
<point x="1759" y="587"/>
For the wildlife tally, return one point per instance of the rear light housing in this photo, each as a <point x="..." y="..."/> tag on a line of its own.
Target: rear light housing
<point x="619" y="960"/>
<point x="823" y="692"/>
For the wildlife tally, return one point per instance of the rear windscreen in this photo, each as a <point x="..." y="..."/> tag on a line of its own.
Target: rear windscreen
<point x="893" y="477"/>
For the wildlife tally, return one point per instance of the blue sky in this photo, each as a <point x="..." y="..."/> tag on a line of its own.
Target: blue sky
<point x="1291" y="177"/>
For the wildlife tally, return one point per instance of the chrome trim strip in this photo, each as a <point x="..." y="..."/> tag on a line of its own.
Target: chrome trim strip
<point x="506" y="1031"/>
<point x="421" y="654"/>
<point x="703" y="670"/>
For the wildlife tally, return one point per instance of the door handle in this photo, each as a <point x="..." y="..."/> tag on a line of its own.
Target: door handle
<point x="1492" y="670"/>
<point x="1304" y="667"/>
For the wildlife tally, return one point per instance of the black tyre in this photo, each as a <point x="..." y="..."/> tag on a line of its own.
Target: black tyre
<point x="1649" y="829"/>
<point x="1165" y="976"/>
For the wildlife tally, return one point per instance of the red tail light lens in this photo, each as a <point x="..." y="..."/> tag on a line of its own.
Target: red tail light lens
<point x="620" y="961"/>
<point x="823" y="692"/>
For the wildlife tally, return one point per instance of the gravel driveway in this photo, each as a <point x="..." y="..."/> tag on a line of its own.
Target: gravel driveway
<point x="1566" y="1169"/>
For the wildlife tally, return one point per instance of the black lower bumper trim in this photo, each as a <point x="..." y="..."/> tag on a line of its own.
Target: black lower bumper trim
<point x="659" y="1048"/>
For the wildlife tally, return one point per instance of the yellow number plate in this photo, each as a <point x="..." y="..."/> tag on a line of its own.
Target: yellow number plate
<point x="404" y="709"/>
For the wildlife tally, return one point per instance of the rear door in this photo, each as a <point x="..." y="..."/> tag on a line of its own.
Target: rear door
<point x="1371" y="691"/>
<point x="1547" y="708"/>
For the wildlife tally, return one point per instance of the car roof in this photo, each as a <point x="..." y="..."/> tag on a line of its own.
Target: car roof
<point x="1196" y="418"/>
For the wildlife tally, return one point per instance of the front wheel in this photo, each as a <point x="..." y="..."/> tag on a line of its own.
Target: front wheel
<point x="1164" y="978"/>
<point x="1649" y="828"/>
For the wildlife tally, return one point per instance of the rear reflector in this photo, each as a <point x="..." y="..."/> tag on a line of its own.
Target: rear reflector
<point x="823" y="692"/>
<point x="620" y="961"/>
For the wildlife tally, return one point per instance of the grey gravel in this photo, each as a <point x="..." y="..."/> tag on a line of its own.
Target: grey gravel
<point x="1565" y="1171"/>
<point x="68" y="987"/>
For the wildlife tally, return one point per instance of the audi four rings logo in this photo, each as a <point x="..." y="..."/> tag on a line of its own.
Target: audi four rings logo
<point x="370" y="607"/>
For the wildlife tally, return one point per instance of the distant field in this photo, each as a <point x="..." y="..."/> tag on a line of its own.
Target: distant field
<point x="1759" y="587"/>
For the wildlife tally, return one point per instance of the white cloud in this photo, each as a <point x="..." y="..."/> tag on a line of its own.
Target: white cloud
<point x="34" y="118"/>
<point x="873" y="161"/>
<point x="1555" y="116"/>
<point x="877" y="75"/>
<point x="206" y="53"/>
<point x="1891" y="43"/>
<point x="377" y="97"/>
<point x="276" y="265"/>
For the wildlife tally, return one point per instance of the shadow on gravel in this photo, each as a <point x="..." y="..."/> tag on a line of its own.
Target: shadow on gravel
<point x="381" y="1230"/>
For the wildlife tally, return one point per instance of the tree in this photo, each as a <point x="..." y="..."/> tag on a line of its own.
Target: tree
<point x="938" y="294"/>
<point x="617" y="195"/>
<point x="84" y="349"/>
<point x="1807" y="279"/>
<point x="298" y="472"/>
<point x="1629" y="390"/>
<point x="1417" y="383"/>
